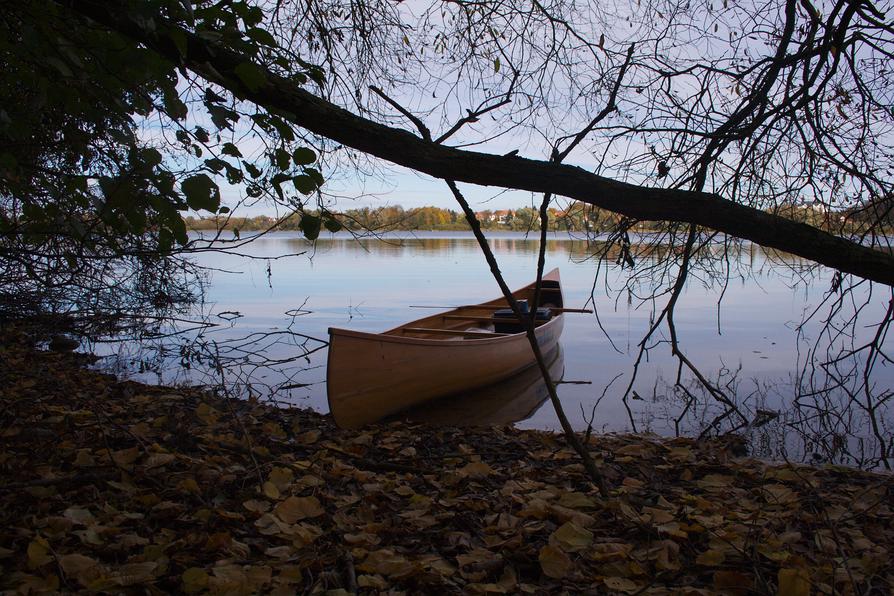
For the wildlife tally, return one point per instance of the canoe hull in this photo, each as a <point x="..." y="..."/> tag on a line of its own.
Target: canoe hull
<point x="505" y="402"/>
<point x="371" y="376"/>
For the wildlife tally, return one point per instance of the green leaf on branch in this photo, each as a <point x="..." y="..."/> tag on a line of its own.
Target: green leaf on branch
<point x="304" y="184"/>
<point x="151" y="157"/>
<point x="251" y="75"/>
<point x="201" y="193"/>
<point x="310" y="226"/>
<point x="261" y="36"/>
<point x="253" y="170"/>
<point x="281" y="158"/>
<point x="332" y="224"/>
<point x="231" y="150"/>
<point x="215" y="164"/>
<point x="304" y="156"/>
<point x="315" y="175"/>
<point x="221" y="117"/>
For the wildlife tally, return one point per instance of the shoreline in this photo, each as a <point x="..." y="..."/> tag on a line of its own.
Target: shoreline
<point x="111" y="485"/>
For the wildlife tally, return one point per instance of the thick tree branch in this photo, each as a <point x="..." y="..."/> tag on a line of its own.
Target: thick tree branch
<point x="216" y="64"/>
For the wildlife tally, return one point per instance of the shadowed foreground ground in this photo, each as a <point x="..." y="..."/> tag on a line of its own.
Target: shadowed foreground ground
<point x="116" y="486"/>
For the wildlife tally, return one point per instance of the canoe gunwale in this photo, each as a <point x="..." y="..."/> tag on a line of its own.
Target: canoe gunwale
<point x="421" y="341"/>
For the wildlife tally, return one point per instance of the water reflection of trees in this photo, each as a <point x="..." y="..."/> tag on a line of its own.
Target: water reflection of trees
<point x="648" y="247"/>
<point x="837" y="405"/>
<point x="782" y="420"/>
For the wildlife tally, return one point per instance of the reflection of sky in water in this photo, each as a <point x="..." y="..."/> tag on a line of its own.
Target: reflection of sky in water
<point x="370" y="285"/>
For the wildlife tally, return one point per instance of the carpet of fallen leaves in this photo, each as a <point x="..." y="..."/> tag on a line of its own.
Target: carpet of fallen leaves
<point x="115" y="486"/>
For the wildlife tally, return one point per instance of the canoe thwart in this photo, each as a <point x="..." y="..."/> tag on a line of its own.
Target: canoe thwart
<point x="482" y="319"/>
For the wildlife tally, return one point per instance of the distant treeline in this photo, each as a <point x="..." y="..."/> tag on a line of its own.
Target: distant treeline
<point x="578" y="217"/>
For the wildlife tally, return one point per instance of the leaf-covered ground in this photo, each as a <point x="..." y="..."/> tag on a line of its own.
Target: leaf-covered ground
<point x="116" y="486"/>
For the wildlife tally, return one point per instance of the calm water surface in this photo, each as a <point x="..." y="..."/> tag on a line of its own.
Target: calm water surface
<point x="372" y="285"/>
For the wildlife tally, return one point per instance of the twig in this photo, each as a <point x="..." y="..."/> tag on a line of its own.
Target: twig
<point x="350" y="572"/>
<point x="73" y="480"/>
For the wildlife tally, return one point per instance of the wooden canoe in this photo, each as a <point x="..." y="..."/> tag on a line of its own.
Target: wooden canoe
<point x="372" y="375"/>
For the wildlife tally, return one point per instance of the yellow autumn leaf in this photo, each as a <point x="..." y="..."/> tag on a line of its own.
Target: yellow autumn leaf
<point x="621" y="584"/>
<point x="576" y="500"/>
<point x="38" y="553"/>
<point x="256" y="505"/>
<point x="711" y="558"/>
<point x="715" y="482"/>
<point x="476" y="556"/>
<point x="610" y="551"/>
<point x="673" y="529"/>
<point x="308" y="438"/>
<point x="387" y="562"/>
<point x="727" y="580"/>
<point x="657" y="516"/>
<point x="376" y="582"/>
<point x="476" y="469"/>
<point x="779" y="494"/>
<point x="125" y="457"/>
<point x="297" y="508"/>
<point x="129" y="574"/>
<point x="189" y="485"/>
<point x="258" y="575"/>
<point x="194" y="580"/>
<point x="279" y="552"/>
<point x="84" y="459"/>
<point x="635" y="449"/>
<point x="79" y="516"/>
<point x="281" y="478"/>
<point x="270" y="490"/>
<point x="207" y="414"/>
<point x="273" y="429"/>
<point x="554" y="562"/>
<point x="571" y="538"/>
<point x="82" y="568"/>
<point x="159" y="459"/>
<point x="793" y="582"/>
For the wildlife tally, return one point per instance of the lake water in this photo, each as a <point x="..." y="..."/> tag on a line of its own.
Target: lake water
<point x="749" y="344"/>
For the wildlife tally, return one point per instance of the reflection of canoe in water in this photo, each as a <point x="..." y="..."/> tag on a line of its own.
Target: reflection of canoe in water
<point x="505" y="402"/>
<point x="370" y="376"/>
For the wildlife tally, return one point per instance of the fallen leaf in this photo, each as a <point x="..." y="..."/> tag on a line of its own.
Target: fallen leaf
<point x="159" y="459"/>
<point x="554" y="562"/>
<point x="387" y="562"/>
<point x="711" y="558"/>
<point x="477" y="469"/>
<point x="38" y="553"/>
<point x="576" y="500"/>
<point x="298" y="508"/>
<point x="621" y="584"/>
<point x="256" y="505"/>
<point x="793" y="582"/>
<point x="194" y="580"/>
<point x="571" y="538"/>
<point x="281" y="478"/>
